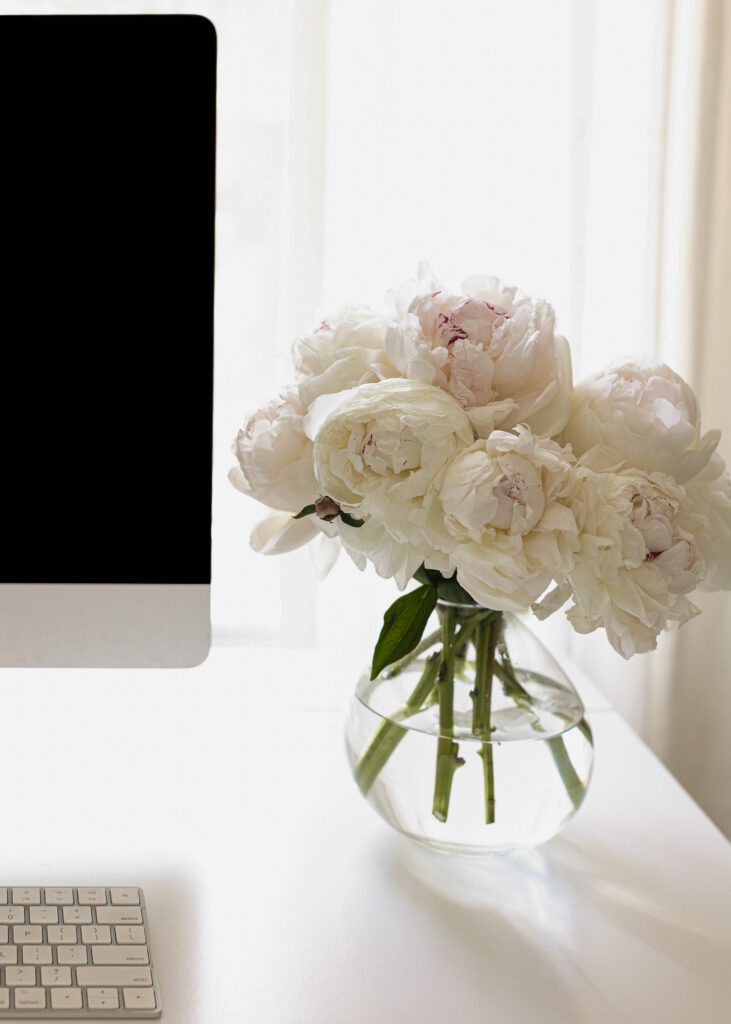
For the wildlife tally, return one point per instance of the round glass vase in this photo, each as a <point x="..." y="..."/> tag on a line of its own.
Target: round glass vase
<point x="476" y="741"/>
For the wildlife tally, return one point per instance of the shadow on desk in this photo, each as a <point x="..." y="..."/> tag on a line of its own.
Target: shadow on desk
<point x="175" y="924"/>
<point x="595" y="934"/>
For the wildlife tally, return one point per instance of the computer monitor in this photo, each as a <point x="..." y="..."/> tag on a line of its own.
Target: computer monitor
<point x="106" y="333"/>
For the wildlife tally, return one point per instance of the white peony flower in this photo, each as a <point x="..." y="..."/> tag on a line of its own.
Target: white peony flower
<point x="275" y="456"/>
<point x="642" y="550"/>
<point x="382" y="450"/>
<point x="344" y="351"/>
<point x="639" y="416"/>
<point x="492" y="348"/>
<point x="710" y="493"/>
<point x="507" y="500"/>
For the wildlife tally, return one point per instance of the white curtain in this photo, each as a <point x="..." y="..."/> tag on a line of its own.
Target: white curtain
<point x="578" y="148"/>
<point x="672" y="258"/>
<point x="689" y="686"/>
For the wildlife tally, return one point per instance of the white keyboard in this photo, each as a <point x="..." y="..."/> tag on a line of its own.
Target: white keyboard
<point x="80" y="953"/>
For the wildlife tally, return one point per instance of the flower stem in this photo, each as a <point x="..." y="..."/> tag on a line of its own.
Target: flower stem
<point x="448" y="760"/>
<point x="481" y="705"/>
<point x="571" y="781"/>
<point x="574" y="786"/>
<point x="389" y="733"/>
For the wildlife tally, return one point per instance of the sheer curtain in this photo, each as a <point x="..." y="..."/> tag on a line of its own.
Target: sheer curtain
<point x="545" y="143"/>
<point x="578" y="148"/>
<point x="690" y="684"/>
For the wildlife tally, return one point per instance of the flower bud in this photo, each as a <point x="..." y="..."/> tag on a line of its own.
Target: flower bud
<point x="327" y="509"/>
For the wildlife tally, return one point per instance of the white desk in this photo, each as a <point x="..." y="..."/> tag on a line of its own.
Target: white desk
<point x="277" y="896"/>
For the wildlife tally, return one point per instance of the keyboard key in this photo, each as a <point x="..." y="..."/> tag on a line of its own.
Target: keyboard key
<point x="62" y="934"/>
<point x="71" y="955"/>
<point x="94" y="934"/>
<point x="119" y="955"/>
<point x="65" y="998"/>
<point x="43" y="915"/>
<point x="92" y="897"/>
<point x="12" y="915"/>
<point x="37" y="955"/>
<point x="138" y="999"/>
<point x="125" y="897"/>
<point x="102" y="998"/>
<point x="118" y="915"/>
<point x="78" y="953"/>
<point x="77" y="915"/>
<point x="113" y="976"/>
<point x="30" y="999"/>
<point x="20" y="976"/>
<point x="55" y="976"/>
<point x="60" y="897"/>
<point x="26" y="895"/>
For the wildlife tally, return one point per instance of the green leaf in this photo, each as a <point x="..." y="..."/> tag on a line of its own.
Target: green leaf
<point x="447" y="587"/>
<point x="428" y="576"/>
<point x="350" y="520"/>
<point x="450" y="590"/>
<point x="306" y="511"/>
<point x="403" y="626"/>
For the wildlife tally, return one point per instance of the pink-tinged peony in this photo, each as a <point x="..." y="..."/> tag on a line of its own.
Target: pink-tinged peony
<point x="346" y="350"/>
<point x="643" y="548"/>
<point x="641" y="416"/>
<point x="495" y="350"/>
<point x="275" y="467"/>
<point x="275" y="456"/>
<point x="507" y="501"/>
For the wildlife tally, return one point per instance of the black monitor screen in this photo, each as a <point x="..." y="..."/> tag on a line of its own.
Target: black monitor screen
<point x="106" y="317"/>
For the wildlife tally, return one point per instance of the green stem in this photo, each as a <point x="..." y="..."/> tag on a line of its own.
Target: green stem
<point x="485" y="663"/>
<point x="389" y="733"/>
<point x="468" y="628"/>
<point x="507" y="676"/>
<point x="448" y="760"/>
<point x="481" y="706"/>
<point x="571" y="781"/>
<point x="585" y="730"/>
<point x="573" y="785"/>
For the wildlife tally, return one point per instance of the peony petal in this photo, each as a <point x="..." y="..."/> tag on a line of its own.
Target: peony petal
<point x="280" y="533"/>
<point x="239" y="481"/>
<point x="487" y="418"/>
<point x="552" y="601"/>
<point x="324" y="553"/>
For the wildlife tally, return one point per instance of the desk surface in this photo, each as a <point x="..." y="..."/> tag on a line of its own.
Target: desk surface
<point x="277" y="896"/>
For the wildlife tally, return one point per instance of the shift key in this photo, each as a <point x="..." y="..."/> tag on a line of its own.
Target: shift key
<point x="114" y="976"/>
<point x="118" y="915"/>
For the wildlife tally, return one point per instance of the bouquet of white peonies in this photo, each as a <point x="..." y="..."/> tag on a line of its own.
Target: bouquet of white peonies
<point x="444" y="439"/>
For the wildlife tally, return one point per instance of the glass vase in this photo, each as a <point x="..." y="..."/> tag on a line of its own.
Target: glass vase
<point x="474" y="742"/>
